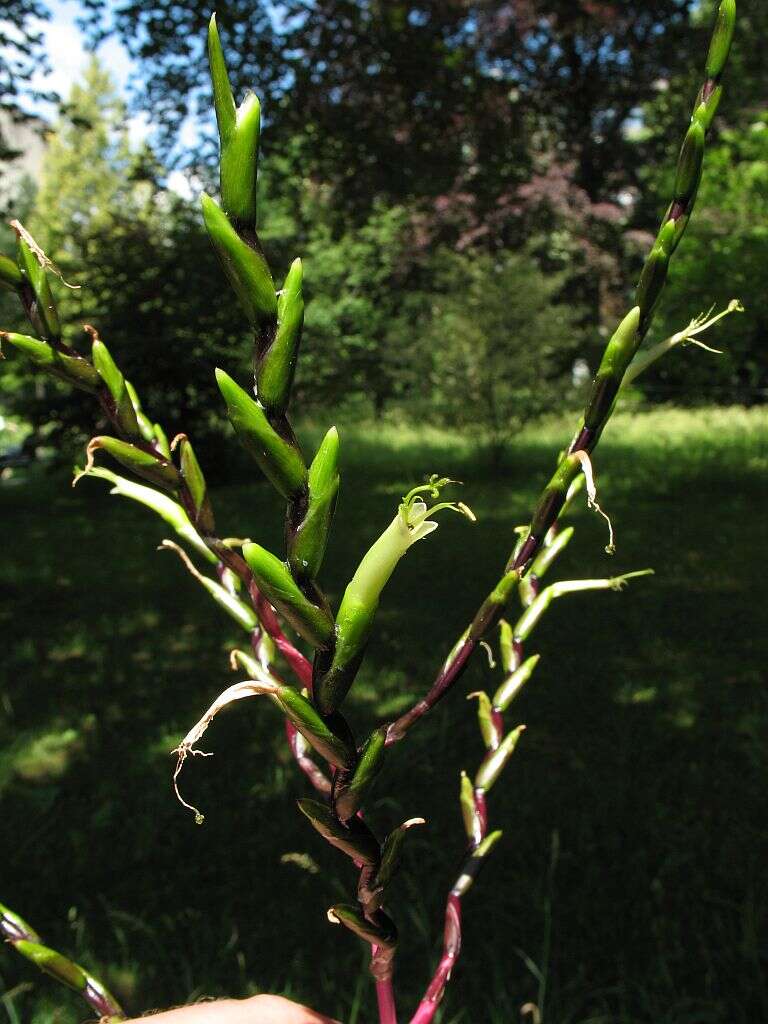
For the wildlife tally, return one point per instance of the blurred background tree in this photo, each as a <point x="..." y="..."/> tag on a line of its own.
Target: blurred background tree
<point x="500" y="343"/>
<point x="394" y="132"/>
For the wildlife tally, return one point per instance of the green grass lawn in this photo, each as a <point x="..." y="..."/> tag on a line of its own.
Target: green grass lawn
<point x="630" y="883"/>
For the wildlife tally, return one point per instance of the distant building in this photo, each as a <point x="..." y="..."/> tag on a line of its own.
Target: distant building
<point x="22" y="150"/>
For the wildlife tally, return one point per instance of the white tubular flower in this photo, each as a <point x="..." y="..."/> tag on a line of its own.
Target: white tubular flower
<point x="409" y="525"/>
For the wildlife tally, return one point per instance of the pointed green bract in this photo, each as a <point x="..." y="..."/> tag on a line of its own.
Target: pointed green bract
<point x="239" y="130"/>
<point x="382" y="933"/>
<point x="689" y="164"/>
<point x="494" y="762"/>
<point x="157" y="471"/>
<point x="507" y="646"/>
<point x="196" y="486"/>
<point x="146" y="426"/>
<point x="313" y="728"/>
<point x="280" y="461"/>
<point x="123" y="408"/>
<point x="722" y="37"/>
<point x="41" y="309"/>
<point x="514" y="683"/>
<point x="333" y="677"/>
<point x="223" y="100"/>
<point x="53" y="963"/>
<point x="238" y="165"/>
<point x="356" y="840"/>
<point x="161" y="440"/>
<point x="72" y="369"/>
<point x="554" y="495"/>
<point x="168" y="509"/>
<point x="485" y="720"/>
<point x="306" y="545"/>
<point x="274" y="579"/>
<point x="707" y="108"/>
<point x="350" y="797"/>
<point x="391" y="853"/>
<point x="468" y="806"/>
<point x="274" y="376"/>
<point x="618" y="354"/>
<point x="245" y="267"/>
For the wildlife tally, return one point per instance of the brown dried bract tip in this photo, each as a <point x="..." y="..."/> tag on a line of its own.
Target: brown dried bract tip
<point x="38" y="253"/>
<point x="586" y="467"/>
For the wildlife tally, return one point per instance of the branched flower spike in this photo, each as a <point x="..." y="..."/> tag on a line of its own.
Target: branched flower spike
<point x="270" y="594"/>
<point x="618" y="354"/>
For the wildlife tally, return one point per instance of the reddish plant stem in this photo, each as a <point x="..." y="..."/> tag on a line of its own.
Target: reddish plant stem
<point x="451" y="948"/>
<point x="385" y="997"/>
<point x="298" y="746"/>
<point x="299" y="665"/>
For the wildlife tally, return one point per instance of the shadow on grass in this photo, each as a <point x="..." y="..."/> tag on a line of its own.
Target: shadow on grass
<point x="644" y="756"/>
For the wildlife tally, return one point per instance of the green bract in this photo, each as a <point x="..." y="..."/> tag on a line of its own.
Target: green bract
<point x="274" y="579"/>
<point x="36" y="291"/>
<point x="245" y="267"/>
<point x="279" y="458"/>
<point x="277" y="367"/>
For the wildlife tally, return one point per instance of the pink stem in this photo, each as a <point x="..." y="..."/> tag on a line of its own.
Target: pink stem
<point x="451" y="947"/>
<point x="316" y="776"/>
<point x="385" y="997"/>
<point x="301" y="666"/>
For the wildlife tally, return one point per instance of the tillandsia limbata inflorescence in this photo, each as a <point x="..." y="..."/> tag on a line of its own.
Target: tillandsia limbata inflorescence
<point x="277" y="598"/>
